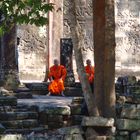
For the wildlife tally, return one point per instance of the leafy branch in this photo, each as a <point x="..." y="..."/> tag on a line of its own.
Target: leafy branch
<point x="23" y="12"/>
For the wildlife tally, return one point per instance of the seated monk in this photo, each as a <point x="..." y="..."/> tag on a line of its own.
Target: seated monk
<point x="90" y="73"/>
<point x="57" y="76"/>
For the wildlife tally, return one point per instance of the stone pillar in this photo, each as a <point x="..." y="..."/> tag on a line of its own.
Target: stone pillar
<point x="55" y="30"/>
<point x="66" y="60"/>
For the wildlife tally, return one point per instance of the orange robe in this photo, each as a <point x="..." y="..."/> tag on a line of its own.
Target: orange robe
<point x="58" y="73"/>
<point x="90" y="73"/>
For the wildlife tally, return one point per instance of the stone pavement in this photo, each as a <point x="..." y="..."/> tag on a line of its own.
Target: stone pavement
<point x="49" y="101"/>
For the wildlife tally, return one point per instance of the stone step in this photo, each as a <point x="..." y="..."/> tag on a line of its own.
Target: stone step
<point x="24" y="95"/>
<point x="8" y="101"/>
<point x="98" y="122"/>
<point x="26" y="131"/>
<point x="2" y="128"/>
<point x="8" y="116"/>
<point x="37" y="86"/>
<point x="101" y="138"/>
<point x="19" y="124"/>
<point x="128" y="124"/>
<point x="22" y="89"/>
<point x="73" y="92"/>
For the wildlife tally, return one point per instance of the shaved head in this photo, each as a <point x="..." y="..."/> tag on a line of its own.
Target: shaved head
<point x="56" y="62"/>
<point x="88" y="61"/>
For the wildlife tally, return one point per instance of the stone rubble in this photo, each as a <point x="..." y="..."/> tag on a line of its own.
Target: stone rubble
<point x="60" y="118"/>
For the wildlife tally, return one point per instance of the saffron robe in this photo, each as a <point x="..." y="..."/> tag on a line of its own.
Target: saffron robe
<point x="58" y="74"/>
<point x="90" y="73"/>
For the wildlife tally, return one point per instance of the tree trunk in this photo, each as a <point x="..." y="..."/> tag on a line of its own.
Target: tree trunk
<point x="88" y="95"/>
<point x="104" y="46"/>
<point x="11" y="79"/>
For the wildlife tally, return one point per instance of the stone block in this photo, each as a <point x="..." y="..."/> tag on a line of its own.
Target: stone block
<point x="26" y="131"/>
<point x="37" y="86"/>
<point x="20" y="124"/>
<point x="98" y="122"/>
<point x="70" y="130"/>
<point x="121" y="99"/>
<point x="8" y="116"/>
<point x="54" y="118"/>
<point x="101" y="138"/>
<point x="54" y="125"/>
<point x="8" y="101"/>
<point x="73" y="92"/>
<point x="76" y="119"/>
<point x="135" y="135"/>
<point x="77" y="100"/>
<point x="2" y="128"/>
<point x="12" y="137"/>
<point x="122" y="137"/>
<point x="75" y="109"/>
<point x="4" y="92"/>
<point x="24" y="95"/>
<point x="57" y="110"/>
<point x="127" y="124"/>
<point x="73" y="137"/>
<point x="131" y="112"/>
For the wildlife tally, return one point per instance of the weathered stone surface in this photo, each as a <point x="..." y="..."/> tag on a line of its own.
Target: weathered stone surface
<point x="2" y="128"/>
<point x="77" y="100"/>
<point x="98" y="121"/>
<point x="131" y="112"/>
<point x="44" y="118"/>
<point x="24" y="95"/>
<point x="12" y="137"/>
<point x="4" y="92"/>
<point x="7" y="116"/>
<point x="126" y="124"/>
<point x="121" y="99"/>
<point x="76" y="119"/>
<point x="73" y="137"/>
<point x="5" y="101"/>
<point x="101" y="138"/>
<point x="70" y="130"/>
<point x="20" y="123"/>
<point x="38" y="86"/>
<point x="55" y="125"/>
<point x="26" y="131"/>
<point x="32" y="52"/>
<point x="22" y="89"/>
<point x="75" y="109"/>
<point x="62" y="110"/>
<point x="122" y="138"/>
<point x="73" y="92"/>
<point x="135" y="136"/>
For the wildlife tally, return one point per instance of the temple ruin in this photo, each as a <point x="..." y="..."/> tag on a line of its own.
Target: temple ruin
<point x="35" y="51"/>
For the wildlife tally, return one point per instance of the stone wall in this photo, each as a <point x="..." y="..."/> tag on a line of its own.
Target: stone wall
<point x="85" y="20"/>
<point x="43" y="47"/>
<point x="32" y="52"/>
<point x="128" y="36"/>
<point x="127" y="16"/>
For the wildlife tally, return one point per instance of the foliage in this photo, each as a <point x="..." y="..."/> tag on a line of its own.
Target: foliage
<point x="23" y="12"/>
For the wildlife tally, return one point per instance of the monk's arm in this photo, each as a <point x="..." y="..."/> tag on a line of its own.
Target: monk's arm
<point x="50" y="75"/>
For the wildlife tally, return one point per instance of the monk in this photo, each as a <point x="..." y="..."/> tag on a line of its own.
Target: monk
<point x="90" y="73"/>
<point x="57" y="77"/>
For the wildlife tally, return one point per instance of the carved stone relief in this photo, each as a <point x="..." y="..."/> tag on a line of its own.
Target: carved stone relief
<point x="128" y="35"/>
<point x="32" y="51"/>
